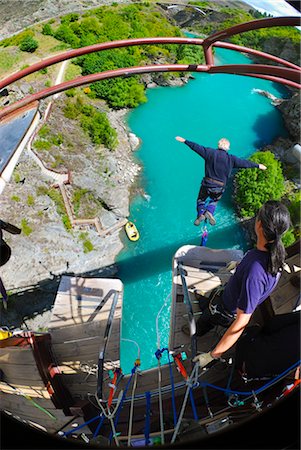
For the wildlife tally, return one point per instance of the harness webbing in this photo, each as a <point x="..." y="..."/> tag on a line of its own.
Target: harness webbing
<point x="147" y="418"/>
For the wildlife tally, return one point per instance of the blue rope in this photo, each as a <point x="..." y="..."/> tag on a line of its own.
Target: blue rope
<point x="172" y="391"/>
<point x="81" y="426"/>
<point x="122" y="400"/>
<point x="195" y="415"/>
<point x="147" y="418"/>
<point x="99" y="426"/>
<point x="262" y="388"/>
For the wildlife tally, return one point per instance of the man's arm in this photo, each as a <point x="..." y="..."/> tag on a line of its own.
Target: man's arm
<point x="199" y="149"/>
<point x="232" y="334"/>
<point x="246" y="164"/>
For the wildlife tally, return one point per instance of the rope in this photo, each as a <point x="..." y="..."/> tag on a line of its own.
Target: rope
<point x="132" y="407"/>
<point x="157" y="320"/>
<point x="195" y="414"/>
<point x="204" y="237"/>
<point x="122" y="400"/>
<point x="257" y="391"/>
<point x="147" y="418"/>
<point x="99" y="426"/>
<point x="189" y="384"/>
<point x="27" y="397"/>
<point x="158" y="356"/>
<point x="66" y="433"/>
<point x="109" y="415"/>
<point x="160" y="397"/>
<point x="172" y="390"/>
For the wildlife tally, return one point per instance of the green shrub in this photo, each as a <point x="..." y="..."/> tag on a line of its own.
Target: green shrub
<point x="26" y="229"/>
<point x="70" y="92"/>
<point x="43" y="71"/>
<point x="88" y="246"/>
<point x="44" y="130"/>
<point x="30" y="200"/>
<point x="95" y="123"/>
<point x="42" y="190"/>
<point x="57" y="139"/>
<point x="41" y="144"/>
<point x="288" y="238"/>
<point x="254" y="186"/>
<point x="47" y="30"/>
<point x="57" y="198"/>
<point x="15" y="198"/>
<point x="28" y="44"/>
<point x="17" y="177"/>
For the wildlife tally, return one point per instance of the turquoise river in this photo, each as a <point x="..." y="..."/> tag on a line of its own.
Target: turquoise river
<point x="204" y="110"/>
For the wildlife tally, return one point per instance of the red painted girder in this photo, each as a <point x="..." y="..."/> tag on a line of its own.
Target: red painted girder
<point x="95" y="48"/>
<point x="274" y="79"/>
<point x="127" y="43"/>
<point x="283" y="72"/>
<point x="256" y="69"/>
<point x="242" y="28"/>
<point x="241" y="49"/>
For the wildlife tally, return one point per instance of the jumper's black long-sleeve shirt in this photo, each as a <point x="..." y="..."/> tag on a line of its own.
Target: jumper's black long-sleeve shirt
<point x="219" y="163"/>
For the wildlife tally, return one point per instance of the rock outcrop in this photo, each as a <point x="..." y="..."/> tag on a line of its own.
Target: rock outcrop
<point x="291" y="115"/>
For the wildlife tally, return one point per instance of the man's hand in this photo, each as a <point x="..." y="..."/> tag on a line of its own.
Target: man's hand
<point x="203" y="359"/>
<point x="262" y="167"/>
<point x="180" y="139"/>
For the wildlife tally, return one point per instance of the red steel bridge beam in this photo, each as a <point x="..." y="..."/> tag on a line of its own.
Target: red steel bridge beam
<point x="283" y="75"/>
<point x="144" y="41"/>
<point x="242" y="28"/>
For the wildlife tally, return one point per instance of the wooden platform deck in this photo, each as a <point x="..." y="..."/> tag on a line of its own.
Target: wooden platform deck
<point x="204" y="269"/>
<point x="77" y="326"/>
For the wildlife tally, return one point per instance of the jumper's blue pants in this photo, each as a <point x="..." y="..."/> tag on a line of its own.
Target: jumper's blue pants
<point x="208" y="198"/>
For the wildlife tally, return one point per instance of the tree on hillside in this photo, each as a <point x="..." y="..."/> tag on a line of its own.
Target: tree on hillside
<point x="254" y="187"/>
<point x="28" y="44"/>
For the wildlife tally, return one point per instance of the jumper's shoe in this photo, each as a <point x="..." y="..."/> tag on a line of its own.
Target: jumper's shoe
<point x="199" y="219"/>
<point x="210" y="217"/>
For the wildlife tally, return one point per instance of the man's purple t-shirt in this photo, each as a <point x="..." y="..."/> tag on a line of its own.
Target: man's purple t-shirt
<point x="251" y="283"/>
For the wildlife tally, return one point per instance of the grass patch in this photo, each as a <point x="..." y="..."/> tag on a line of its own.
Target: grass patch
<point x="9" y="58"/>
<point x="26" y="229"/>
<point x="87" y="244"/>
<point x="72" y="71"/>
<point x="57" y="198"/>
<point x="30" y="200"/>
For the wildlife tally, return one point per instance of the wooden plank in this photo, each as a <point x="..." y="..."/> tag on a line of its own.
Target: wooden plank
<point x="32" y="391"/>
<point x="78" y="298"/>
<point x="23" y="372"/>
<point x="17" y="355"/>
<point x="18" y="402"/>
<point x="66" y="318"/>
